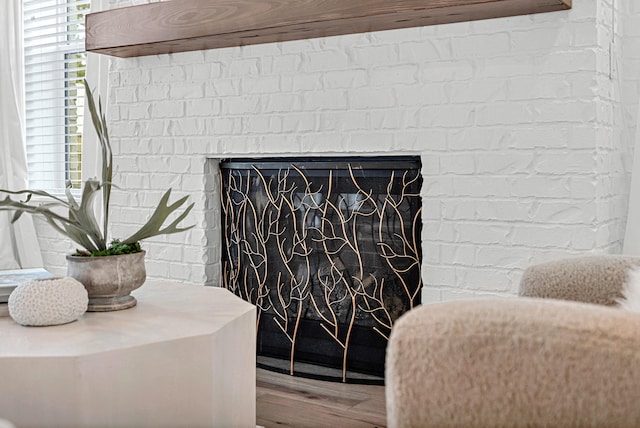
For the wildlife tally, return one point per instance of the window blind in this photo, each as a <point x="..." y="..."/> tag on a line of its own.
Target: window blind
<point x="55" y="62"/>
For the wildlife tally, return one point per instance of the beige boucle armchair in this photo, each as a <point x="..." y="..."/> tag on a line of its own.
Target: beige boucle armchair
<point x="532" y="361"/>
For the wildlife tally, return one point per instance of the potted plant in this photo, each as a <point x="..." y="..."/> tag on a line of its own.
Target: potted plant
<point x="109" y="270"/>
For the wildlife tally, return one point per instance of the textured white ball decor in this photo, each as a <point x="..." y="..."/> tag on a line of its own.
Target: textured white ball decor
<point x="50" y="301"/>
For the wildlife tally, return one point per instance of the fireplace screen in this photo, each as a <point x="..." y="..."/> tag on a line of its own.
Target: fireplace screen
<point x="329" y="252"/>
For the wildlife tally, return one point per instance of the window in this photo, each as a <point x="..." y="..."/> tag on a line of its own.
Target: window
<point x="55" y="62"/>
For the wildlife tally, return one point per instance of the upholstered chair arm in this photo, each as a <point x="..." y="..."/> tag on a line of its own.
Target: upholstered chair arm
<point x="517" y="363"/>
<point x="590" y="279"/>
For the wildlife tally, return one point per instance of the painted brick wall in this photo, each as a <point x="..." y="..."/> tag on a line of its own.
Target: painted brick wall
<point x="517" y="121"/>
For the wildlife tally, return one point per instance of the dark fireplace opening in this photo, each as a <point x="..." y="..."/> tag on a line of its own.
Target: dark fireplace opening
<point x="328" y="249"/>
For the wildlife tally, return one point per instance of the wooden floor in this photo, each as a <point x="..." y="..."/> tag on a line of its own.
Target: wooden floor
<point x="284" y="401"/>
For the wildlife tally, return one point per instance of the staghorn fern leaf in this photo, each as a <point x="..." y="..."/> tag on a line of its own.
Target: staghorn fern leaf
<point x="100" y="125"/>
<point x="16" y="216"/>
<point x="67" y="226"/>
<point x="84" y="213"/>
<point x="31" y="193"/>
<point x="8" y="204"/>
<point x="153" y="226"/>
<point x="81" y="224"/>
<point x="73" y="232"/>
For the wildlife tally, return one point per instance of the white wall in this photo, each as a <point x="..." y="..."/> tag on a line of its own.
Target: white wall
<point x="519" y="122"/>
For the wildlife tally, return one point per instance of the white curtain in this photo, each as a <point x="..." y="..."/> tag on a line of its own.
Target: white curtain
<point x="19" y="246"/>
<point x="632" y="232"/>
<point x="97" y="76"/>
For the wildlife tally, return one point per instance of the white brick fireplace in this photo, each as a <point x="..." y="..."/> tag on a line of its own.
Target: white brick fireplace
<point x="519" y="122"/>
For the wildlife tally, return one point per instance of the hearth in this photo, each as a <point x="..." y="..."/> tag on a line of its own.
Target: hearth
<point x="328" y="249"/>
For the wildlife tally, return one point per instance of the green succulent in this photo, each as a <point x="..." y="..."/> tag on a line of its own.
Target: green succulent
<point x="80" y="224"/>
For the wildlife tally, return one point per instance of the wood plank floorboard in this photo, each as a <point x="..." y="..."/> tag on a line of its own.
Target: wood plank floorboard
<point x="285" y="401"/>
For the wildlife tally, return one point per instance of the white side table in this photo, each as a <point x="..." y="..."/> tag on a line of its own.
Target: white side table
<point x="185" y="356"/>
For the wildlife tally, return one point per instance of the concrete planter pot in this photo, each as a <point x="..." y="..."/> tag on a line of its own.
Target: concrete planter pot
<point x="109" y="280"/>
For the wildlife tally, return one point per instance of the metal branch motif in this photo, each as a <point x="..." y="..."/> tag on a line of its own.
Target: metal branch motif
<point x="339" y="251"/>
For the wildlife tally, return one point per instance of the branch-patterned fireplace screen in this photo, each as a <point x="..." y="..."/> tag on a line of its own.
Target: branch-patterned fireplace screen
<point x="329" y="251"/>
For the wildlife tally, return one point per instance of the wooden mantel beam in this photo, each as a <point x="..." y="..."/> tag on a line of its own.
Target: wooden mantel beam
<point x="187" y="25"/>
